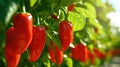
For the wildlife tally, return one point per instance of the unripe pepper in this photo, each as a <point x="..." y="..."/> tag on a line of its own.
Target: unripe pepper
<point x="56" y="55"/>
<point x="11" y="59"/>
<point x="38" y="42"/>
<point x="22" y="31"/>
<point x="65" y="34"/>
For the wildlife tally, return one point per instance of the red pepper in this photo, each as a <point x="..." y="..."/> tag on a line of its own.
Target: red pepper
<point x="22" y="32"/>
<point x="56" y="55"/>
<point x="92" y="58"/>
<point x="81" y="53"/>
<point x="59" y="55"/>
<point x="65" y="34"/>
<point x="52" y="54"/>
<point x="38" y="42"/>
<point x="98" y="53"/>
<point x="114" y="52"/>
<point x="71" y="7"/>
<point x="74" y="52"/>
<point x="55" y="17"/>
<point x="11" y="59"/>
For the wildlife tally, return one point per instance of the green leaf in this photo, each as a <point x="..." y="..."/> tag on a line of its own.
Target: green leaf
<point x="51" y="1"/>
<point x="90" y="46"/>
<point x="47" y="63"/>
<point x="68" y="2"/>
<point x="53" y="35"/>
<point x="91" y="10"/>
<point x="77" y="63"/>
<point x="81" y="34"/>
<point x="32" y="2"/>
<point x="82" y="11"/>
<point x="2" y="63"/>
<point x="78" y="21"/>
<point x="95" y="23"/>
<point x="2" y="40"/>
<point x="91" y="34"/>
<point x="87" y="10"/>
<point x="56" y="39"/>
<point x="9" y="7"/>
<point x="67" y="62"/>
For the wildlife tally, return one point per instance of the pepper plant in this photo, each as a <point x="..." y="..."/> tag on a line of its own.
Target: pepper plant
<point x="56" y="33"/>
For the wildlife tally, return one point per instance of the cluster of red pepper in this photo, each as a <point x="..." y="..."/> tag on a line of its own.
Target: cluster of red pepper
<point x="82" y="53"/>
<point x="21" y="36"/>
<point x="24" y="35"/>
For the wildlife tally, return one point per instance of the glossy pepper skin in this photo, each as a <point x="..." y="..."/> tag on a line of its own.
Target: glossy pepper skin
<point x="80" y="52"/>
<point x="65" y="34"/>
<point x="11" y="59"/>
<point x="74" y="53"/>
<point x="71" y="7"/>
<point x="83" y="53"/>
<point x="38" y="42"/>
<point x="56" y="55"/>
<point x="22" y="31"/>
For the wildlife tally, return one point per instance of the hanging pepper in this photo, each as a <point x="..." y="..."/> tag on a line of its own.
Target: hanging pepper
<point x="74" y="52"/>
<point x="92" y="57"/>
<point x="65" y="34"/>
<point x="56" y="55"/>
<point x="55" y="17"/>
<point x="98" y="53"/>
<point x="38" y="42"/>
<point x="71" y="7"/>
<point x="80" y="52"/>
<point x="22" y="32"/>
<point x="11" y="59"/>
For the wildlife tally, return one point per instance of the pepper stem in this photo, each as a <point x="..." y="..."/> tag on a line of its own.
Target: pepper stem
<point x="65" y="13"/>
<point x="23" y="7"/>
